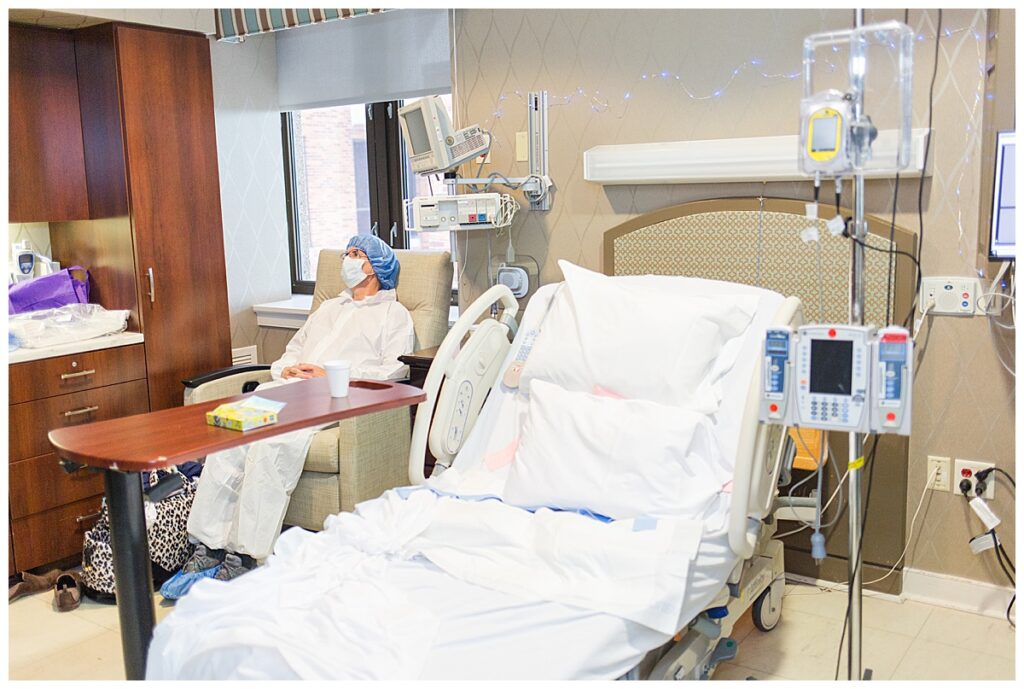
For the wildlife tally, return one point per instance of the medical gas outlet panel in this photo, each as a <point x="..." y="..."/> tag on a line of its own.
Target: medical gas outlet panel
<point x="838" y="377"/>
<point x="463" y="212"/>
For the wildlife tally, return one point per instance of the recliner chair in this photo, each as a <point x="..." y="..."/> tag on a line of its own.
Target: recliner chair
<point x="359" y="458"/>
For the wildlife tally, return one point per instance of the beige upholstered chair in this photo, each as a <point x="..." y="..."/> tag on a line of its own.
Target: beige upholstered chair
<point x="359" y="458"/>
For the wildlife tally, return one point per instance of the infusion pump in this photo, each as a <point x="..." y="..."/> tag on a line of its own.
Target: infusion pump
<point x="838" y="377"/>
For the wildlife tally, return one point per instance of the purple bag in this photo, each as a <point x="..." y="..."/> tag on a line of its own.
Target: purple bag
<point x="48" y="292"/>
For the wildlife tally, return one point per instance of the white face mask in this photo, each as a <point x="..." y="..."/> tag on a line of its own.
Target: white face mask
<point x="352" y="271"/>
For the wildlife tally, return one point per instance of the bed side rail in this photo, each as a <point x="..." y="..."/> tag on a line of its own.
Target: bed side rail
<point x="444" y="364"/>
<point x="757" y="466"/>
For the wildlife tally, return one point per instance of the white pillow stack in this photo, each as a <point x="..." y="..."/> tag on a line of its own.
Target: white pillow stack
<point x="621" y="381"/>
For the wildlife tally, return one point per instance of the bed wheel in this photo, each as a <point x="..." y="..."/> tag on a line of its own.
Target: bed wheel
<point x="767" y="609"/>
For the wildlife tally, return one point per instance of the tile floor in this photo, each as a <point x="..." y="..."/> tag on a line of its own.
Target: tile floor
<point x="901" y="641"/>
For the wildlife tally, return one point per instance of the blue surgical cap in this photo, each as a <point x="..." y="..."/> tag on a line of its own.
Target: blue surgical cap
<point x="382" y="258"/>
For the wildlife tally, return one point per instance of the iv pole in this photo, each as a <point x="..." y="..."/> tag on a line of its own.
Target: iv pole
<point x="856" y="318"/>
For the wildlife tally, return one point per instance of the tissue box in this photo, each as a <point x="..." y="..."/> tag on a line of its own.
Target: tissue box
<point x="245" y="415"/>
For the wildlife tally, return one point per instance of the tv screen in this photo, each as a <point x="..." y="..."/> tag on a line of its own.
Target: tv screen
<point x="1003" y="237"/>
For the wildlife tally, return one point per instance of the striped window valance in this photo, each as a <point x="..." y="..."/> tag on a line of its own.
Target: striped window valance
<point x="234" y="25"/>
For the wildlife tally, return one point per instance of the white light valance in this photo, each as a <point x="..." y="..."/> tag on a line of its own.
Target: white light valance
<point x="753" y="159"/>
<point x="379" y="57"/>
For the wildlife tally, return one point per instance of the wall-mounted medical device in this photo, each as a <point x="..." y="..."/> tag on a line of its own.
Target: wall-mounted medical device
<point x="838" y="378"/>
<point x="482" y="211"/>
<point x="436" y="146"/>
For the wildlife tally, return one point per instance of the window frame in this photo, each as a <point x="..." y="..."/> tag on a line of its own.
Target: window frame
<point x="384" y="179"/>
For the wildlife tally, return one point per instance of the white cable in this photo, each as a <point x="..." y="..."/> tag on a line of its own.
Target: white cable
<point x="910" y="536"/>
<point x="823" y="509"/>
<point x="920" y="321"/>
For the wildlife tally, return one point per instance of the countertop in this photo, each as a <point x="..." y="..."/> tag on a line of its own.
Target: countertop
<point x="106" y="342"/>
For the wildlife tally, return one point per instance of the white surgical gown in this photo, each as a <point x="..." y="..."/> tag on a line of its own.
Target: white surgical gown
<point x="243" y="492"/>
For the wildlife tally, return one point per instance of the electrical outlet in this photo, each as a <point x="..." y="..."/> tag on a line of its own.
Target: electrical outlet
<point x="940" y="467"/>
<point x="965" y="470"/>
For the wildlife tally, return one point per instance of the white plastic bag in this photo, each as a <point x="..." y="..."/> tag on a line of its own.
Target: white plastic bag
<point x="70" y="323"/>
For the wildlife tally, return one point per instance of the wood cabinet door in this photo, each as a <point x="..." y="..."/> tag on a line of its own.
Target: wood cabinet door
<point x="46" y="166"/>
<point x="174" y="196"/>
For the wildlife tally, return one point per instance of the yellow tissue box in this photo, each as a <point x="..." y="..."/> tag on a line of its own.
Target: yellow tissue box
<point x="245" y="415"/>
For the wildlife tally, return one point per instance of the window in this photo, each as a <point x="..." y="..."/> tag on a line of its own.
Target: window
<point x="346" y="173"/>
<point x="343" y="177"/>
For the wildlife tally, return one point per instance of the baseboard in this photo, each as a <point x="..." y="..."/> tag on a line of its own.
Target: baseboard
<point x="835" y="586"/>
<point x="955" y="592"/>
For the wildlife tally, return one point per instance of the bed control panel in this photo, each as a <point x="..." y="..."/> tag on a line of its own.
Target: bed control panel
<point x="838" y="377"/>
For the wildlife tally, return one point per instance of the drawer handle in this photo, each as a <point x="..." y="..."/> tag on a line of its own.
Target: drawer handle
<point x="83" y="410"/>
<point x="152" y="286"/>
<point x="65" y="376"/>
<point x="87" y="517"/>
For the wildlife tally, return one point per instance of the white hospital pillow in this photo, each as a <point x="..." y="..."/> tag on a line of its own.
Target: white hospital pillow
<point x="556" y="355"/>
<point x="618" y="458"/>
<point x="639" y="341"/>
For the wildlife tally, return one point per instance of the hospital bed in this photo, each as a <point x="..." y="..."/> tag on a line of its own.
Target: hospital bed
<point x="260" y="625"/>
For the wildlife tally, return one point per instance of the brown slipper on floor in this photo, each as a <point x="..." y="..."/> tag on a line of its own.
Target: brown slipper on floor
<point x="32" y="583"/>
<point x="66" y="593"/>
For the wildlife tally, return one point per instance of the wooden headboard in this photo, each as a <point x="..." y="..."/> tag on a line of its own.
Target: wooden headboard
<point x="720" y="240"/>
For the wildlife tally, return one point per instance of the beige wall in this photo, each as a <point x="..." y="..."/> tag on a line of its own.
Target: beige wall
<point x="252" y="195"/>
<point x="589" y="60"/>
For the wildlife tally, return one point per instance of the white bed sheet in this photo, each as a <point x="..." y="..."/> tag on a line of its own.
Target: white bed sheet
<point x="482" y="633"/>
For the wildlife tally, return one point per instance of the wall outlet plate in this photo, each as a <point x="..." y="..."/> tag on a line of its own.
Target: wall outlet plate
<point x="940" y="466"/>
<point x="950" y="296"/>
<point x="965" y="470"/>
<point x="522" y="147"/>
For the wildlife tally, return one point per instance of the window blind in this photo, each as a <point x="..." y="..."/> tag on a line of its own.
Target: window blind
<point x="384" y="56"/>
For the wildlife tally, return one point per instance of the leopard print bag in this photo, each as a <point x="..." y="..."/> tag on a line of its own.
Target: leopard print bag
<point x="166" y="529"/>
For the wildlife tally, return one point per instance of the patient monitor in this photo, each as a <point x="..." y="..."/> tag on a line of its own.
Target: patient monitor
<point x="435" y="145"/>
<point x="839" y="378"/>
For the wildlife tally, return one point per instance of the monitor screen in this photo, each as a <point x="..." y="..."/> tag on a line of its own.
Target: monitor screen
<point x="419" y="137"/>
<point x="823" y="134"/>
<point x="831" y="366"/>
<point x="1003" y="236"/>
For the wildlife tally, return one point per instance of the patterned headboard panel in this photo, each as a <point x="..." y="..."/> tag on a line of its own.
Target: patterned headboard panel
<point x="733" y="240"/>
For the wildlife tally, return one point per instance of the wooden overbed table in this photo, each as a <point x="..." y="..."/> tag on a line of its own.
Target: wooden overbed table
<point x="127" y="446"/>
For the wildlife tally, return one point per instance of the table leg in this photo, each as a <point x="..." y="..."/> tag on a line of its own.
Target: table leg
<point x="133" y="578"/>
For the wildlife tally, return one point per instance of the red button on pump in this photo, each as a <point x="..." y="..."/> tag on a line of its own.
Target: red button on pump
<point x="890" y="416"/>
<point x="773" y="408"/>
<point x="831" y="332"/>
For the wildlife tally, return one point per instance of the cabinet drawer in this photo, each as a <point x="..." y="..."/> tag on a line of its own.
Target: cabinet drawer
<point x="31" y="421"/>
<point x="55" y="534"/>
<point x="40" y="484"/>
<point x="60" y="375"/>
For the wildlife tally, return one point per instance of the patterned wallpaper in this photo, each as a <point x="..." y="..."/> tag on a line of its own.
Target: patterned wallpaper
<point x="251" y="179"/>
<point x="666" y="75"/>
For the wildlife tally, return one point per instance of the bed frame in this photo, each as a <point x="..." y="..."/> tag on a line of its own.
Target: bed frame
<point x="749" y="241"/>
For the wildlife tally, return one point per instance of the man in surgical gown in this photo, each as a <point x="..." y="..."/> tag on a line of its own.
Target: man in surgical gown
<point x="243" y="492"/>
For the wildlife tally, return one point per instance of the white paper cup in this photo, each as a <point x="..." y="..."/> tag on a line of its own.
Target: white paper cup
<point x="337" y="377"/>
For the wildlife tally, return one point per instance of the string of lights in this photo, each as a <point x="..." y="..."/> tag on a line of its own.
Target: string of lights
<point x="602" y="103"/>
